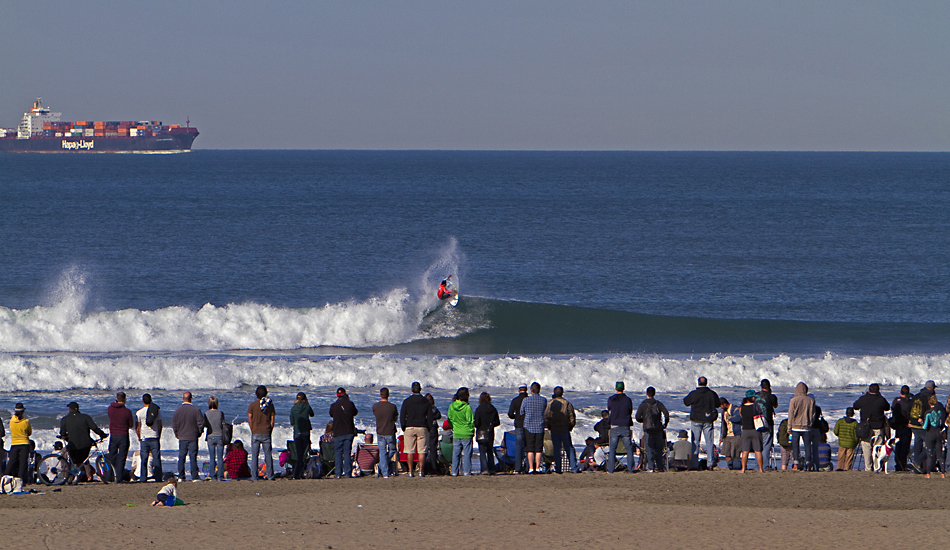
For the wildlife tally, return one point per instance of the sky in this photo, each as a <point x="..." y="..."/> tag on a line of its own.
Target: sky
<point x="807" y="75"/>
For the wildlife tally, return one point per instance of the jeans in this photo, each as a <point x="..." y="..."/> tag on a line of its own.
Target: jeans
<point x="797" y="440"/>
<point x="704" y="429"/>
<point x="653" y="443"/>
<point x="486" y="455"/>
<point x="189" y="448"/>
<point x="118" y="454"/>
<point x="216" y="452"/>
<point x="151" y="445"/>
<point x="258" y="441"/>
<point x="519" y="450"/>
<point x="768" y="439"/>
<point x="462" y="448"/>
<point x="919" y="456"/>
<point x="343" y="455"/>
<point x="902" y="449"/>
<point x="563" y="439"/>
<point x="618" y="433"/>
<point x="387" y="446"/>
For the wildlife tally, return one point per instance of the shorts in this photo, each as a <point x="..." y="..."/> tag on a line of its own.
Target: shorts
<point x="750" y="440"/>
<point x="414" y="440"/>
<point x="533" y="443"/>
<point x="729" y="446"/>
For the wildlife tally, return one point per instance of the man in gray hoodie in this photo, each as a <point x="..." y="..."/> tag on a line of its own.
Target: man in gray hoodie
<point x="801" y="416"/>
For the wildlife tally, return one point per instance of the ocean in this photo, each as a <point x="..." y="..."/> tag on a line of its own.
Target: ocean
<point x="216" y="271"/>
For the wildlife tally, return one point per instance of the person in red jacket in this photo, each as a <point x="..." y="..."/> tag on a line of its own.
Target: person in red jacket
<point x="444" y="291"/>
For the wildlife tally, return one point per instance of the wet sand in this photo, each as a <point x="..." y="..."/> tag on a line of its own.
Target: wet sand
<point x="669" y="510"/>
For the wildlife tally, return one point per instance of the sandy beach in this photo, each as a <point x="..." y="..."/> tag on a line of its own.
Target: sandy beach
<point x="669" y="510"/>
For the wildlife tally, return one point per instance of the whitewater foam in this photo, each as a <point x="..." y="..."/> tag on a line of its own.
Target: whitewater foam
<point x="65" y="371"/>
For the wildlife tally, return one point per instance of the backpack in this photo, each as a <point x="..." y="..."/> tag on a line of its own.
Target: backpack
<point x="228" y="432"/>
<point x="783" y="439"/>
<point x="314" y="469"/>
<point x="151" y="414"/>
<point x="863" y="430"/>
<point x="917" y="409"/>
<point x="653" y="419"/>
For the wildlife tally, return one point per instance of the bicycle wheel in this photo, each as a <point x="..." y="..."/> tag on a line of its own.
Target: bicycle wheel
<point x="53" y="470"/>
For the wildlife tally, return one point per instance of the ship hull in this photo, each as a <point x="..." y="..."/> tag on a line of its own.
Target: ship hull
<point x="177" y="142"/>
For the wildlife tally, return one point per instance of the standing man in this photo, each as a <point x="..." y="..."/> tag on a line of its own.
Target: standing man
<point x="74" y="429"/>
<point x="900" y="415"/>
<point x="532" y="409"/>
<point x="148" y="428"/>
<point x="514" y="413"/>
<point x="561" y="419"/>
<point x="120" y="422"/>
<point x="187" y="423"/>
<point x="260" y="417"/>
<point x="416" y="418"/>
<point x="386" y="416"/>
<point x="343" y="411"/>
<point x="768" y="403"/>
<point x="801" y="417"/>
<point x="654" y="417"/>
<point x="620" y="414"/>
<point x="703" y="404"/>
<point x="872" y="406"/>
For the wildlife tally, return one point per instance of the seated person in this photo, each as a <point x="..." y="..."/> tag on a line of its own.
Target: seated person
<point x="503" y="462"/>
<point x="603" y="429"/>
<point x="235" y="462"/>
<point x="366" y="456"/>
<point x="587" y="461"/>
<point x="327" y="436"/>
<point x="682" y="453"/>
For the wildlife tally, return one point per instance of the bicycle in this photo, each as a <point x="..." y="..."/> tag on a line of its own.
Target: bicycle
<point x="58" y="468"/>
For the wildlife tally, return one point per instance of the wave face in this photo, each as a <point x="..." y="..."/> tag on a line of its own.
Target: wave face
<point x="400" y="323"/>
<point x="61" y="372"/>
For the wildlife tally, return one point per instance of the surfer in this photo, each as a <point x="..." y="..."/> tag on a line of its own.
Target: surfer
<point x="445" y="291"/>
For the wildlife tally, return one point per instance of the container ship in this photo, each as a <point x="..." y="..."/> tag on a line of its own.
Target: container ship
<point x="42" y="132"/>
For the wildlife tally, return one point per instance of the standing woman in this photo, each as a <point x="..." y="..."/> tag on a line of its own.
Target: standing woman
<point x="933" y="426"/>
<point x="463" y="428"/>
<point x="750" y="439"/>
<point x="20" y="432"/>
<point x="214" y="423"/>
<point x="486" y="418"/>
<point x="432" y="437"/>
<point x="300" y="415"/>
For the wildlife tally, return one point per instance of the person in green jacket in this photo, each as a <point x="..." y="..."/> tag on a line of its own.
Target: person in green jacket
<point x="463" y="428"/>
<point x="846" y="430"/>
<point x="300" y="415"/>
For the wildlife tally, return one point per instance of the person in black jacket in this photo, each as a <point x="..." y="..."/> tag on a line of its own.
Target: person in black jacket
<point x="415" y="413"/>
<point x="703" y="404"/>
<point x="486" y="419"/>
<point x="771" y="403"/>
<point x="74" y="429"/>
<point x="432" y="436"/>
<point x="343" y="411"/>
<point x="900" y="413"/>
<point x="654" y="417"/>
<point x="916" y="425"/>
<point x="872" y="406"/>
<point x="603" y="429"/>
<point x="514" y="413"/>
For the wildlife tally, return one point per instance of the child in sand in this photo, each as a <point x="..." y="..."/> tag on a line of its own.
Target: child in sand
<point x="169" y="490"/>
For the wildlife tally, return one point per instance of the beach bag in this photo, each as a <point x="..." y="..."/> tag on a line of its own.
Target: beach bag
<point x="484" y="436"/>
<point x="863" y="430"/>
<point x="228" y="432"/>
<point x="10" y="484"/>
<point x="758" y="419"/>
<point x="652" y="420"/>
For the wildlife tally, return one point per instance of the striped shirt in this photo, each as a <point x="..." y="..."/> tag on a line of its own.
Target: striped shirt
<point x="532" y="408"/>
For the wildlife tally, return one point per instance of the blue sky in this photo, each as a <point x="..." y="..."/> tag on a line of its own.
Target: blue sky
<point x="730" y="75"/>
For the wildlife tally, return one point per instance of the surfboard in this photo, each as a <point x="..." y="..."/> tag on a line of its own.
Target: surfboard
<point x="450" y="285"/>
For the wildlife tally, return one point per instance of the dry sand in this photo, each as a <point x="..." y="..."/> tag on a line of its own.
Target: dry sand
<point x="595" y="510"/>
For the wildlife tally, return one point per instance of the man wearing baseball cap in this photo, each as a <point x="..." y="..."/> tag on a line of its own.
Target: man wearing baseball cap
<point x="343" y="411"/>
<point x="74" y="429"/>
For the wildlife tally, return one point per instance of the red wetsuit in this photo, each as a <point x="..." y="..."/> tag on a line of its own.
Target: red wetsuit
<point x="443" y="293"/>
